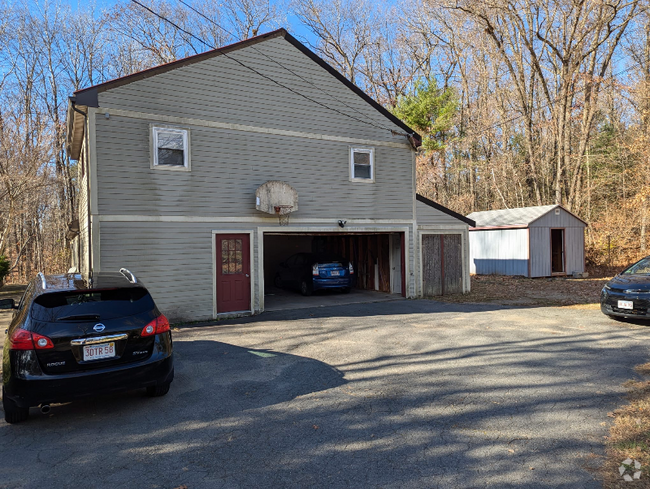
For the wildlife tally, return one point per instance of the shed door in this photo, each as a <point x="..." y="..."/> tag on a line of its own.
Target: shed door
<point x="233" y="272"/>
<point x="442" y="264"/>
<point x="557" y="251"/>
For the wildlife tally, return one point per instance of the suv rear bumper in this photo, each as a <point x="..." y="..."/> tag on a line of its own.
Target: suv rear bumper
<point x="69" y="387"/>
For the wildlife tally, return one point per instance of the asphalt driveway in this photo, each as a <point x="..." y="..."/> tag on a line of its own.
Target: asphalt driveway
<point x="404" y="394"/>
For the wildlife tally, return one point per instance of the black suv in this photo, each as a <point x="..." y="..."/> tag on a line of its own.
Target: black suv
<point x="74" y="336"/>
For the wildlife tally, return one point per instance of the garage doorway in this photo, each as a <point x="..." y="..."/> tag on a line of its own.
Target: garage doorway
<point x="377" y="260"/>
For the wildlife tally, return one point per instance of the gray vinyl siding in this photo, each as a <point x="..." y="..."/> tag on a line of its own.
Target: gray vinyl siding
<point x="227" y="167"/>
<point x="429" y="216"/>
<point x="173" y="260"/>
<point x="219" y="89"/>
<point x="499" y="251"/>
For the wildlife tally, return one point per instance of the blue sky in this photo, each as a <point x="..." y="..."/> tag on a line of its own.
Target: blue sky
<point x="292" y="25"/>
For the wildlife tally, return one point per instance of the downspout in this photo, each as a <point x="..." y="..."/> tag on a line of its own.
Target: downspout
<point x="86" y="162"/>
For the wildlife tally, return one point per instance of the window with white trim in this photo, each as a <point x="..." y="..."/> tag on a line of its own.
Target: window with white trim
<point x="170" y="148"/>
<point x="362" y="164"/>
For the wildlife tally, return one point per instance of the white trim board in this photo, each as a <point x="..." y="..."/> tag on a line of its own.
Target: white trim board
<point x="256" y="220"/>
<point x="244" y="128"/>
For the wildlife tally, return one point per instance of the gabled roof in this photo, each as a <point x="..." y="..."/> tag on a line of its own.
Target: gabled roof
<point x="442" y="208"/>
<point x="520" y="217"/>
<point x="88" y="96"/>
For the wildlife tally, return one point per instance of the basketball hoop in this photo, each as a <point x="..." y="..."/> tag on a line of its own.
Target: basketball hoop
<point x="276" y="197"/>
<point x="283" y="212"/>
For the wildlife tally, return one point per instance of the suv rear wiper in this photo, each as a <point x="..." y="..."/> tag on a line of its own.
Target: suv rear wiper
<point x="79" y="317"/>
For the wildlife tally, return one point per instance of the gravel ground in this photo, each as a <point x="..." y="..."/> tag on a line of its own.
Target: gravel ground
<point x="404" y="394"/>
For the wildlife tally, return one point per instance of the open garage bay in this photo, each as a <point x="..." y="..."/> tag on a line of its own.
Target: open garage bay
<point x="376" y="259"/>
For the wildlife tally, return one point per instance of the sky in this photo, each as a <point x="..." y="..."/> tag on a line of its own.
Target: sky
<point x="293" y="26"/>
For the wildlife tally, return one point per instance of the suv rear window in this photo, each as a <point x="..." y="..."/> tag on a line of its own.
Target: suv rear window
<point x="91" y="304"/>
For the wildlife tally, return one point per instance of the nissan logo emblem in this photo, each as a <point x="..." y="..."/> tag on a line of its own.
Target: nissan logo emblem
<point x="99" y="327"/>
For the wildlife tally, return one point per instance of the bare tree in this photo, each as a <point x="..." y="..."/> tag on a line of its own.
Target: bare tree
<point x="343" y="29"/>
<point x="247" y="18"/>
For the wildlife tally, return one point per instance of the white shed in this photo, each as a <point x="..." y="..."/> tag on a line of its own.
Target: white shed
<point x="539" y="241"/>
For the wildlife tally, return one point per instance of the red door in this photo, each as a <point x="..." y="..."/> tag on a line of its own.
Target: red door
<point x="233" y="273"/>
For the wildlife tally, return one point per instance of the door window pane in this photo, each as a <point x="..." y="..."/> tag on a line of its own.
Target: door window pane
<point x="232" y="259"/>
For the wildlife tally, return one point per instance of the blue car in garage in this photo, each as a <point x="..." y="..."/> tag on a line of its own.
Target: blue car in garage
<point x="309" y="272"/>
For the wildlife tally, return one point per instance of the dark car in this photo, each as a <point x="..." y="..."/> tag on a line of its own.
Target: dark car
<point x="308" y="272"/>
<point x="73" y="336"/>
<point x="628" y="294"/>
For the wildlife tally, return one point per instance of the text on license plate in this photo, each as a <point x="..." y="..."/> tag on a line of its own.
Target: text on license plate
<point x="95" y="352"/>
<point x="335" y="273"/>
<point x="625" y="305"/>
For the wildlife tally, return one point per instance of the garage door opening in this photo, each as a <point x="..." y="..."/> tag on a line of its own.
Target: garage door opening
<point x="377" y="262"/>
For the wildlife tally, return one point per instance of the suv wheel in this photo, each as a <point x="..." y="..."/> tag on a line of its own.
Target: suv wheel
<point x="305" y="288"/>
<point x="13" y="413"/>
<point x="158" y="390"/>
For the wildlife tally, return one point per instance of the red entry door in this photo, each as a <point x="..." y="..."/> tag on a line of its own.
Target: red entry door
<point x="233" y="273"/>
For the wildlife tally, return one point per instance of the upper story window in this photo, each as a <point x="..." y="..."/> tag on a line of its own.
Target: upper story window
<point x="362" y="165"/>
<point x="170" y="148"/>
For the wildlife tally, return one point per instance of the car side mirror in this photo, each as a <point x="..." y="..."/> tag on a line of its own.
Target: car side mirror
<point x="7" y="304"/>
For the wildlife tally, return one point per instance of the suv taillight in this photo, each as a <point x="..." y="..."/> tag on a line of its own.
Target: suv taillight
<point x="314" y="270"/>
<point x="157" y="326"/>
<point x="350" y="268"/>
<point x="24" y="340"/>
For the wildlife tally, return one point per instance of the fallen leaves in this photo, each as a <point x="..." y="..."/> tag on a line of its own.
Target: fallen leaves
<point x="557" y="291"/>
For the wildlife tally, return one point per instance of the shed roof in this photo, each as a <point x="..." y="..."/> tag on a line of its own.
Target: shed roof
<point x="520" y="217"/>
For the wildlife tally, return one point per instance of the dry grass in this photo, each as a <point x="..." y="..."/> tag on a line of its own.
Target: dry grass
<point x="629" y="437"/>
<point x="521" y="291"/>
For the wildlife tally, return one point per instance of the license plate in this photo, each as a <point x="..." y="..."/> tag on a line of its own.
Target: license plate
<point x="625" y="305"/>
<point x="96" y="352"/>
<point x="335" y="273"/>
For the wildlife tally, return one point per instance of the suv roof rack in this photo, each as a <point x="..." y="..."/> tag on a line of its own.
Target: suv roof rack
<point x="129" y="275"/>
<point x="43" y="282"/>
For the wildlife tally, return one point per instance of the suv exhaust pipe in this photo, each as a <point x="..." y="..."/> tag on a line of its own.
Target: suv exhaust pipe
<point x="45" y="408"/>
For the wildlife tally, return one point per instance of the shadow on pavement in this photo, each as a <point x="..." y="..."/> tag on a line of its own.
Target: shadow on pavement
<point x="217" y="379"/>
<point x="425" y="405"/>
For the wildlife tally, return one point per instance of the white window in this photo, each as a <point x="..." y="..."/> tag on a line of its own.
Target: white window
<point x="170" y="148"/>
<point x="362" y="164"/>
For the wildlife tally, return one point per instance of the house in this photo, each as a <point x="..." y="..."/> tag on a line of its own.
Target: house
<point x="539" y="241"/>
<point x="202" y="175"/>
